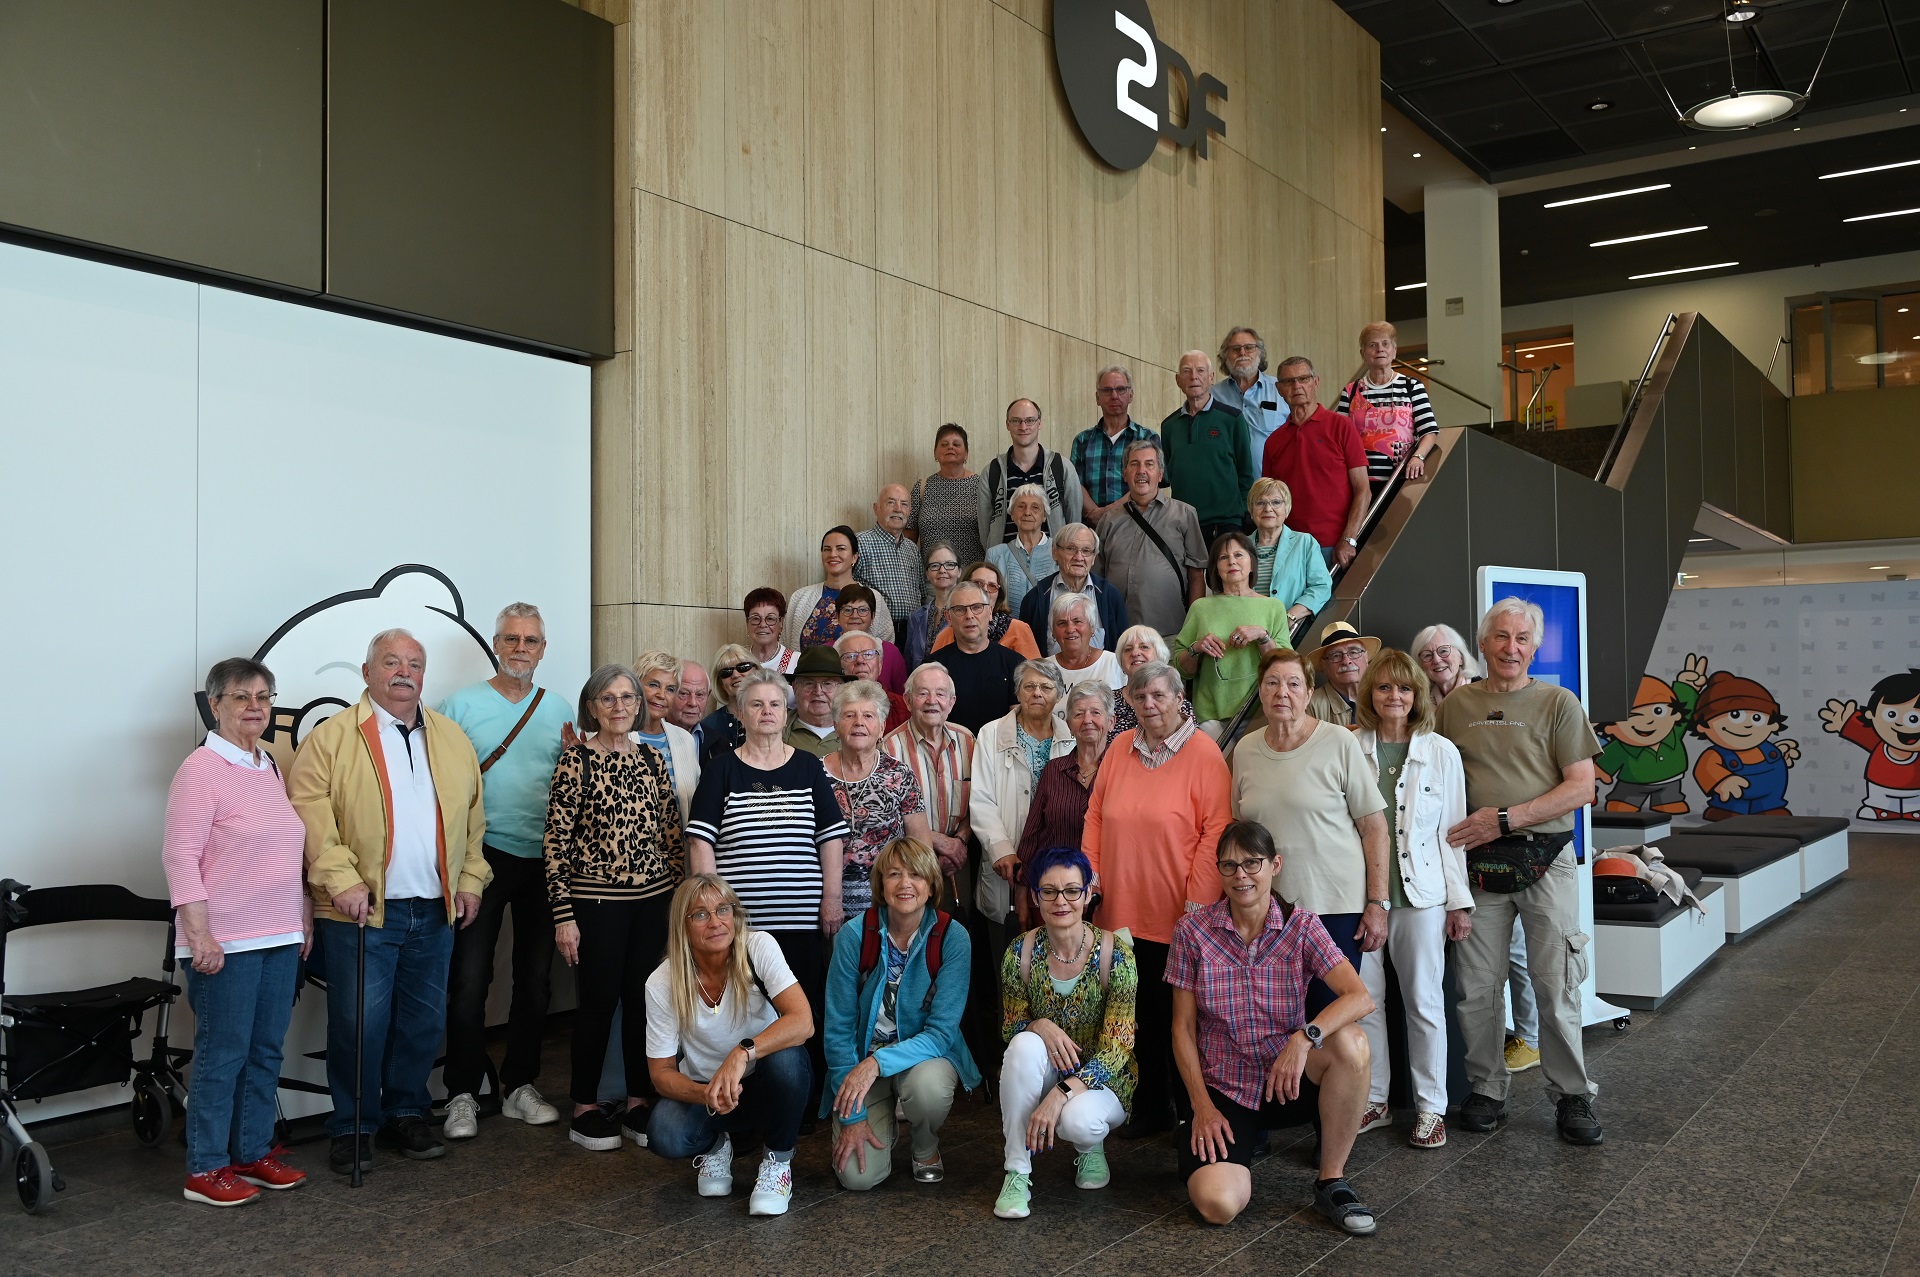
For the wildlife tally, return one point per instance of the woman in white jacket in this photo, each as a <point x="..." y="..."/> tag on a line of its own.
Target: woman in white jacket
<point x="1424" y="784"/>
<point x="1008" y="758"/>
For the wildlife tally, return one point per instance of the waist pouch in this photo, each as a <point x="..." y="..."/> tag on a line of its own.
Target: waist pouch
<point x="1513" y="863"/>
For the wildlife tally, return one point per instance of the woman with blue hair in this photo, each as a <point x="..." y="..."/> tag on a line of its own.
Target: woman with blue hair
<point x="1068" y="990"/>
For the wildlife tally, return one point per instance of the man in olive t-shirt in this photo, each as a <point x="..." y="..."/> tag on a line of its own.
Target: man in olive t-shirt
<point x="1528" y="751"/>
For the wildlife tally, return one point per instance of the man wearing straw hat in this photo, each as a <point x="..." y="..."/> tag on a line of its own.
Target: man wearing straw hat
<point x="1342" y="659"/>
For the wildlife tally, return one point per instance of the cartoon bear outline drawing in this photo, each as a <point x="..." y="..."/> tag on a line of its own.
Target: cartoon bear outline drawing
<point x="1889" y="730"/>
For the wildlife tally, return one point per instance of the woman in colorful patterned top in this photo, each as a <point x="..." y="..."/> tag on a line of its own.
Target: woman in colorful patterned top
<point x="1067" y="990"/>
<point x="1138" y="645"/>
<point x="877" y="792"/>
<point x="810" y="620"/>
<point x="1389" y="409"/>
<point x="614" y="855"/>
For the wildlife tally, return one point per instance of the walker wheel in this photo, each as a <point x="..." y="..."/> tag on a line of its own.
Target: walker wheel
<point x="33" y="1177"/>
<point x="152" y="1110"/>
<point x="1622" y="1023"/>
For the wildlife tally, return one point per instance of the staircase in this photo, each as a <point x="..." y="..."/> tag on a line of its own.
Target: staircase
<point x="1705" y="436"/>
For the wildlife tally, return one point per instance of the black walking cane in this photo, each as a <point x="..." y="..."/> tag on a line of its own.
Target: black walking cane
<point x="359" y="1035"/>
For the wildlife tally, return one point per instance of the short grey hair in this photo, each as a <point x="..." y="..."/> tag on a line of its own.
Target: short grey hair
<point x="861" y="690"/>
<point x="597" y="682"/>
<point x="1203" y="354"/>
<point x="840" y="644"/>
<point x="386" y="638"/>
<point x="520" y="612"/>
<point x="1447" y="636"/>
<point x="1536" y="619"/>
<point x="754" y="678"/>
<point x="1158" y="452"/>
<point x="1033" y="490"/>
<point x="1074" y="530"/>
<point x="1153" y="672"/>
<point x="1122" y="369"/>
<point x="1045" y="669"/>
<point x="1147" y="632"/>
<point x="1258" y="340"/>
<point x="1090" y="690"/>
<point x="236" y="669"/>
<point x="1063" y="602"/>
<point x="965" y="585"/>
<point x="1291" y="360"/>
<point x="929" y="668"/>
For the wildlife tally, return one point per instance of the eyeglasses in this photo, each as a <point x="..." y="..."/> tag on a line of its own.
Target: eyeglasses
<point x="1114" y="390"/>
<point x="1243" y="348"/>
<point x="1299" y="381"/>
<point x="615" y="700"/>
<point x="1076" y="551"/>
<point x="865" y="654"/>
<point x="744" y="667"/>
<point x="250" y="698"/>
<point x="700" y="917"/>
<point x="764" y="618"/>
<point x="966" y="609"/>
<point x="944" y="565"/>
<point x="1023" y="421"/>
<point x="1438" y="653"/>
<point x="857" y="611"/>
<point x="1069" y="894"/>
<point x="1234" y="868"/>
<point x="1270" y="503"/>
<point x="519" y="640"/>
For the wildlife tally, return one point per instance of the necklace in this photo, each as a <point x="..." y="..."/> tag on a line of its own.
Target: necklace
<point x="711" y="999"/>
<point x="1055" y="954"/>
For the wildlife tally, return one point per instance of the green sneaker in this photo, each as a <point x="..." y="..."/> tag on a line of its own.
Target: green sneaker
<point x="1090" y="1169"/>
<point x="1015" y="1193"/>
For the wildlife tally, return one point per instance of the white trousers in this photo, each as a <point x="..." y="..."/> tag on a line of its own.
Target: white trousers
<point x="1417" y="939"/>
<point x="1026" y="1075"/>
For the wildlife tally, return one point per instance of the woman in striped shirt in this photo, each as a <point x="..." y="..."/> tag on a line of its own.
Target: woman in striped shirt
<point x="765" y="819"/>
<point x="232" y="853"/>
<point x="1390" y="410"/>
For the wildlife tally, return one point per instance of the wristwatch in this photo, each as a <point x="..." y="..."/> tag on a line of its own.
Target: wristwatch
<point x="1350" y="541"/>
<point x="1062" y="1087"/>
<point x="746" y="1044"/>
<point x="1385" y="905"/>
<point x="1312" y="1032"/>
<point x="1505" y="828"/>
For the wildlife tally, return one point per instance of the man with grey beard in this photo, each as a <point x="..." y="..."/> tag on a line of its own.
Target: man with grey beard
<point x="1246" y="386"/>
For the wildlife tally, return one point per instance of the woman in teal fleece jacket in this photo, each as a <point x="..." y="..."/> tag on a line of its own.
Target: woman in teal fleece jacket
<point x="895" y="1034"/>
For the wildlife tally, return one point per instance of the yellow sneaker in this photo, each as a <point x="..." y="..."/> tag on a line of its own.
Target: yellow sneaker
<point x="1521" y="1057"/>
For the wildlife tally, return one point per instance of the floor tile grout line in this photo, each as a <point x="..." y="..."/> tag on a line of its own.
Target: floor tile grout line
<point x="1815" y="1147"/>
<point x="1905" y="1212"/>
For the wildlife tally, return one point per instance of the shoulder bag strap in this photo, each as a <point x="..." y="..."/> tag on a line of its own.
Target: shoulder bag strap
<point x="1173" y="560"/>
<point x="538" y="694"/>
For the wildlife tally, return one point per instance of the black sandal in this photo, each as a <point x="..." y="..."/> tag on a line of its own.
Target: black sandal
<point x="1336" y="1199"/>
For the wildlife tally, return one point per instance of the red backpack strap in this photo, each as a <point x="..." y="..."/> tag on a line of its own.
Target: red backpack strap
<point x="936" y="953"/>
<point x="869" y="940"/>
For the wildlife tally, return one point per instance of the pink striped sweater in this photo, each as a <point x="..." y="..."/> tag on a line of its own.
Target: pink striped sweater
<point x="234" y="841"/>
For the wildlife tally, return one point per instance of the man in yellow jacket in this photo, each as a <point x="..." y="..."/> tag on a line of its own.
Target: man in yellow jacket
<point x="390" y="794"/>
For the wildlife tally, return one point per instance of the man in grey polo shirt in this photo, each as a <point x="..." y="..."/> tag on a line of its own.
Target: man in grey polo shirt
<point x="889" y="561"/>
<point x="1155" y="584"/>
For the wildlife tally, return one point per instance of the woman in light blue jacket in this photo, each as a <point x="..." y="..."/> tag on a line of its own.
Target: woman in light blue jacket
<point x="895" y="992"/>
<point x="1421" y="777"/>
<point x="1288" y="564"/>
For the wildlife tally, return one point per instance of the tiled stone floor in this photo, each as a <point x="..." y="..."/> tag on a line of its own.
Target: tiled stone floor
<point x="1765" y="1121"/>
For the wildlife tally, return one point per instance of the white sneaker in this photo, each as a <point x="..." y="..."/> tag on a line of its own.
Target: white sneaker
<point x="463" y="1118"/>
<point x="772" y="1188"/>
<point x="713" y="1169"/>
<point x="526" y="1105"/>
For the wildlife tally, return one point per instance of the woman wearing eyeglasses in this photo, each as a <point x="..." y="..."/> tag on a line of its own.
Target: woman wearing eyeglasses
<point x="927" y="622"/>
<point x="854" y="611"/>
<point x="1057" y="816"/>
<point x="1446" y="658"/>
<point x="1067" y="991"/>
<point x="1287" y="564"/>
<point x="726" y="1027"/>
<point x="766" y="610"/>
<point x="721" y="731"/>
<point x="614" y="854"/>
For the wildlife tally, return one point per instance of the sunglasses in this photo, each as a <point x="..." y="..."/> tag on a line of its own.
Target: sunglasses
<point x="744" y="667"/>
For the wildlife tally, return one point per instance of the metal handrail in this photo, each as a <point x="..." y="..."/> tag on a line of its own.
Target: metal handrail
<point x="1633" y="400"/>
<point x="1424" y="375"/>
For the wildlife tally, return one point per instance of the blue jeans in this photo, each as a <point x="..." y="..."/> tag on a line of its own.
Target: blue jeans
<point x="772" y="1099"/>
<point x="407" y="964"/>
<point x="1526" y="1008"/>
<point x="240" y="1021"/>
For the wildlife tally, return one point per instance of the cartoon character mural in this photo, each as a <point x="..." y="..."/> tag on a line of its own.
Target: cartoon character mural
<point x="1743" y="770"/>
<point x="1645" y="758"/>
<point x="1889" y="730"/>
<point x="316" y="655"/>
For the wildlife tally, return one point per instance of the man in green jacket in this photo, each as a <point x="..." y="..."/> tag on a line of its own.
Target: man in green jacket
<point x="1645" y="756"/>
<point x="1209" y="457"/>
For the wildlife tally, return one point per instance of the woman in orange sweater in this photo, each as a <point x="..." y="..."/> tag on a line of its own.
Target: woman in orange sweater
<point x="1153" y="823"/>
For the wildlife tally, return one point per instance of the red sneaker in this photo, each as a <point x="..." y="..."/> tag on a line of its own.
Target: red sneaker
<point x="270" y="1172"/>
<point x="219" y="1188"/>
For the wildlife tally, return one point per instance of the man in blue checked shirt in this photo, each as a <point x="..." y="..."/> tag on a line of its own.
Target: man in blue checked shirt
<point x="1099" y="449"/>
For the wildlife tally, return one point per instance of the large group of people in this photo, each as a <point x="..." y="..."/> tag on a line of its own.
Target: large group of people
<point x="1033" y="786"/>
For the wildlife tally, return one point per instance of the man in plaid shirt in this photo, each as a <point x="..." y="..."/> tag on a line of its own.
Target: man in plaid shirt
<point x="889" y="559"/>
<point x="1249" y="1056"/>
<point x="1100" y="450"/>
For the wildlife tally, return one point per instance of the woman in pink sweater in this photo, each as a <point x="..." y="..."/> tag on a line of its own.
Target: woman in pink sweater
<point x="235" y="874"/>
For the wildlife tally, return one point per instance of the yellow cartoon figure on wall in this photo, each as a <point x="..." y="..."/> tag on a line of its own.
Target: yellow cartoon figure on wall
<point x="1743" y="770"/>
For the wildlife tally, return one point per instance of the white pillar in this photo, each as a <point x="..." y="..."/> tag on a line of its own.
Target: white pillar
<point x="1463" y="297"/>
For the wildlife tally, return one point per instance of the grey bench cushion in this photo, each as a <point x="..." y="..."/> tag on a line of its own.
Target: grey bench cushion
<point x="1630" y="819"/>
<point x="1802" y="829"/>
<point x="1724" y="855"/>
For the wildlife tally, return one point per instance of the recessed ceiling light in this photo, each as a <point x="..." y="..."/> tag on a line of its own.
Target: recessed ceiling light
<point x="1742" y="11"/>
<point x="1528" y="355"/>
<point x="1868" y="217"/>
<point x="1609" y="195"/>
<point x="1903" y="310"/>
<point x="1632" y="239"/>
<point x="1383" y="128"/>
<point x="1684" y="270"/>
<point x="1416" y="155"/>
<point x="1878" y="567"/>
<point x="1555" y="345"/>
<point x="1407" y="288"/>
<point x="1875" y="168"/>
<point x="1600" y="105"/>
<point x="1699" y="540"/>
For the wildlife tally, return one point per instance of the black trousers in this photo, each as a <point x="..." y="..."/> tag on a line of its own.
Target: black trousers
<point x="807" y="953"/>
<point x="519" y="883"/>
<point x="1153" y="1040"/>
<point x="621" y="942"/>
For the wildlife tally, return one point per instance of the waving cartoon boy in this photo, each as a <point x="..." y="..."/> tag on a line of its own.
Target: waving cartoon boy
<point x="1645" y="757"/>
<point x="1743" y="770"/>
<point x="1889" y="730"/>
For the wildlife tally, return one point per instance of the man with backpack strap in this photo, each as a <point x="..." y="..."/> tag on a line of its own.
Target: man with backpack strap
<point x="1023" y="463"/>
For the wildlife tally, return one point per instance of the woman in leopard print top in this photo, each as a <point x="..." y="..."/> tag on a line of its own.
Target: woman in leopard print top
<point x="614" y="856"/>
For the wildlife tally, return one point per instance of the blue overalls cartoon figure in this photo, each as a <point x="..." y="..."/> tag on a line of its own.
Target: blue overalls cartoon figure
<point x="1743" y="770"/>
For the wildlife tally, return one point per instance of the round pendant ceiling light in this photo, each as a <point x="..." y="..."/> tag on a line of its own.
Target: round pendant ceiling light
<point x="1738" y="110"/>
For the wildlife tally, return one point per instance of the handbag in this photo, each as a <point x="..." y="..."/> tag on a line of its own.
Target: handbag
<point x="1513" y="863"/>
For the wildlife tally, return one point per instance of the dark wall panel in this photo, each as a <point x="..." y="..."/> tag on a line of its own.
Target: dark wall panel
<point x="468" y="165"/>
<point x="1750" y="464"/>
<point x="1683" y="488"/>
<point x="1590" y="541"/>
<point x="1649" y="559"/>
<point x="1719" y="441"/>
<point x="1410" y="592"/>
<point x="1510" y="507"/>
<point x="1777" y="435"/>
<point x="188" y="131"/>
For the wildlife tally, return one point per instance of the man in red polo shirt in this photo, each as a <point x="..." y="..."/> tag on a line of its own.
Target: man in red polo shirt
<point x="1319" y="456"/>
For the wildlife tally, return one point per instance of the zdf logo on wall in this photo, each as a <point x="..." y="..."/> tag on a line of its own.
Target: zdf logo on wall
<point x="1116" y="74"/>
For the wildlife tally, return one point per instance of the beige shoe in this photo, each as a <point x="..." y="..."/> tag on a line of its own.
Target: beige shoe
<point x="1521" y="1057"/>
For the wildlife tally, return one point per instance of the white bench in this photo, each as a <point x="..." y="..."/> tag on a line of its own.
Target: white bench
<point x="1760" y="876"/>
<point x="1639" y="963"/>
<point x="1822" y="839"/>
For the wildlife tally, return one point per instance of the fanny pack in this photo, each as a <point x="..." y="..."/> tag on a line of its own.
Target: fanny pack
<point x="1513" y="863"/>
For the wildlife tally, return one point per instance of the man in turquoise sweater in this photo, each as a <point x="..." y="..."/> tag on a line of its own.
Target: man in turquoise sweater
<point x="1209" y="457"/>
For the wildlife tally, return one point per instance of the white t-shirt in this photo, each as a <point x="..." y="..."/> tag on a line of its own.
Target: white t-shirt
<point x="702" y="1046"/>
<point x="1106" y="669"/>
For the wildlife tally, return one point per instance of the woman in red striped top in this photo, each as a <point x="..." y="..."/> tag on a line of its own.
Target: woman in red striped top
<point x="235" y="874"/>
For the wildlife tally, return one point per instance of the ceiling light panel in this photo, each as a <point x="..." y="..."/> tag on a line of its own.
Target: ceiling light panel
<point x="1877" y="168"/>
<point x="1683" y="270"/>
<point x="1635" y="239"/>
<point x="1609" y="195"/>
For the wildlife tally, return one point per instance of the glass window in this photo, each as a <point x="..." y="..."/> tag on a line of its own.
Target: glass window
<point x="1856" y="343"/>
<point x="1900" y="338"/>
<point x="1809" y="349"/>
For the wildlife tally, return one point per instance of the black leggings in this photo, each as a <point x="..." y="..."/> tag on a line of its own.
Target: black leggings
<point x="621" y="942"/>
<point x="1153" y="1041"/>
<point x="807" y="953"/>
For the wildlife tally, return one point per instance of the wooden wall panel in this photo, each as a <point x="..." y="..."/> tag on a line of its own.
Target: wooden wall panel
<point x="852" y="220"/>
